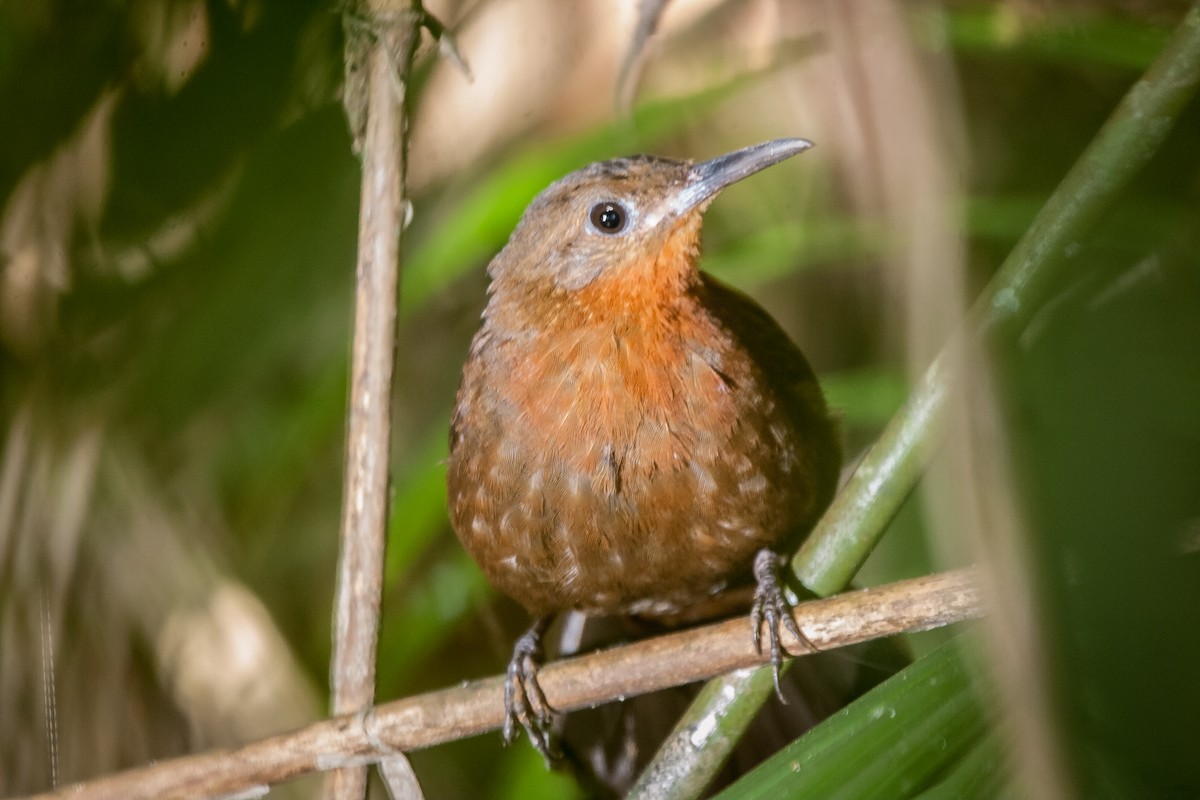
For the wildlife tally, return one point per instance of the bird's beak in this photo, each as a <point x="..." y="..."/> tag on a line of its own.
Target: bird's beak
<point x="709" y="177"/>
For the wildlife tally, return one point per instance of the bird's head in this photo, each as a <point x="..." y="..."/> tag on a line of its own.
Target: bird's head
<point x="619" y="232"/>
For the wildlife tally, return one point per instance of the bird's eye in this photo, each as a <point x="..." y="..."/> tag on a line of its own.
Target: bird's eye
<point x="608" y="217"/>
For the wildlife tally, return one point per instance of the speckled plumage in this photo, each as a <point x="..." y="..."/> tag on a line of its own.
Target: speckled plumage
<point x="629" y="432"/>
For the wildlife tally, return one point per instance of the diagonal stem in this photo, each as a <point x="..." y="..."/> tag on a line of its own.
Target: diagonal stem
<point x="860" y="514"/>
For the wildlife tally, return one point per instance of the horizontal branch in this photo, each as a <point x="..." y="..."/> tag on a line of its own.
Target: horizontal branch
<point x="449" y="714"/>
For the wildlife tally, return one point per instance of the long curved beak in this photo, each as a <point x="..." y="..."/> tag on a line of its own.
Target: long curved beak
<point x="709" y="177"/>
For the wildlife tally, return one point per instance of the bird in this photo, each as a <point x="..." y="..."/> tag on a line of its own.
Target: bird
<point x="632" y="435"/>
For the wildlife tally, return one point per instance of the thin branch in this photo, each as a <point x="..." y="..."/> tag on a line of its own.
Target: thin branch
<point x="862" y="511"/>
<point x="449" y="714"/>
<point x="386" y="43"/>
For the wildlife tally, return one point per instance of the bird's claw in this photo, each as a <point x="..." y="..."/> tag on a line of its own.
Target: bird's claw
<point x="772" y="607"/>
<point x="524" y="702"/>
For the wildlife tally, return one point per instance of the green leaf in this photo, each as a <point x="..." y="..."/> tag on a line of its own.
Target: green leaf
<point x="979" y="775"/>
<point x="890" y="742"/>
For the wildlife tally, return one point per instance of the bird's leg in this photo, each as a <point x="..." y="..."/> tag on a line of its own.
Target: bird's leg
<point x="524" y="701"/>
<point x="772" y="607"/>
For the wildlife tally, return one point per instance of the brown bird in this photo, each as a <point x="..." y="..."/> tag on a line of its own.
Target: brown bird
<point x="631" y="435"/>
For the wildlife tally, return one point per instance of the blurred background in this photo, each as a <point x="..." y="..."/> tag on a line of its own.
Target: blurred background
<point x="178" y="217"/>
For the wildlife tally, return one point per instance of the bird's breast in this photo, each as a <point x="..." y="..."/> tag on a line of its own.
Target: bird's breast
<point x="628" y="394"/>
<point x="617" y="467"/>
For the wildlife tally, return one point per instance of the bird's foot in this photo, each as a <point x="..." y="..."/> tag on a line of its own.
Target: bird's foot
<point x="524" y="702"/>
<point x="772" y="607"/>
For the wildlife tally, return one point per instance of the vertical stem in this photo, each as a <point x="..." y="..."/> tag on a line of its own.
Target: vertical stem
<point x="391" y="33"/>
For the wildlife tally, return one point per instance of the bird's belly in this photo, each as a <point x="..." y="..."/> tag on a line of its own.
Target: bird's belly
<point x="654" y="514"/>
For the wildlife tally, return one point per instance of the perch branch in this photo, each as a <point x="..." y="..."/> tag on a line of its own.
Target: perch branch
<point x="355" y="740"/>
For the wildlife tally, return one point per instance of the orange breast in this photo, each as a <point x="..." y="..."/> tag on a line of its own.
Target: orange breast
<point x="627" y="358"/>
<point x="605" y="388"/>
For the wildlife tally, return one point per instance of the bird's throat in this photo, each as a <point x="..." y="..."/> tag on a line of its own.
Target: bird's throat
<point x="645" y="290"/>
<point x="611" y="363"/>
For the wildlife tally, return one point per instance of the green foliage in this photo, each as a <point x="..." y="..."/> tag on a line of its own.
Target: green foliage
<point x="1072" y="39"/>
<point x="220" y="365"/>
<point x="894" y="741"/>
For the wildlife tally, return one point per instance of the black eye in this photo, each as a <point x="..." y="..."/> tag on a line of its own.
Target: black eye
<point x="608" y="217"/>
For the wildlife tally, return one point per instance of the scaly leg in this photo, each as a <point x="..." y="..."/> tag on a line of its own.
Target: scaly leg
<point x="524" y="701"/>
<point x="770" y="605"/>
